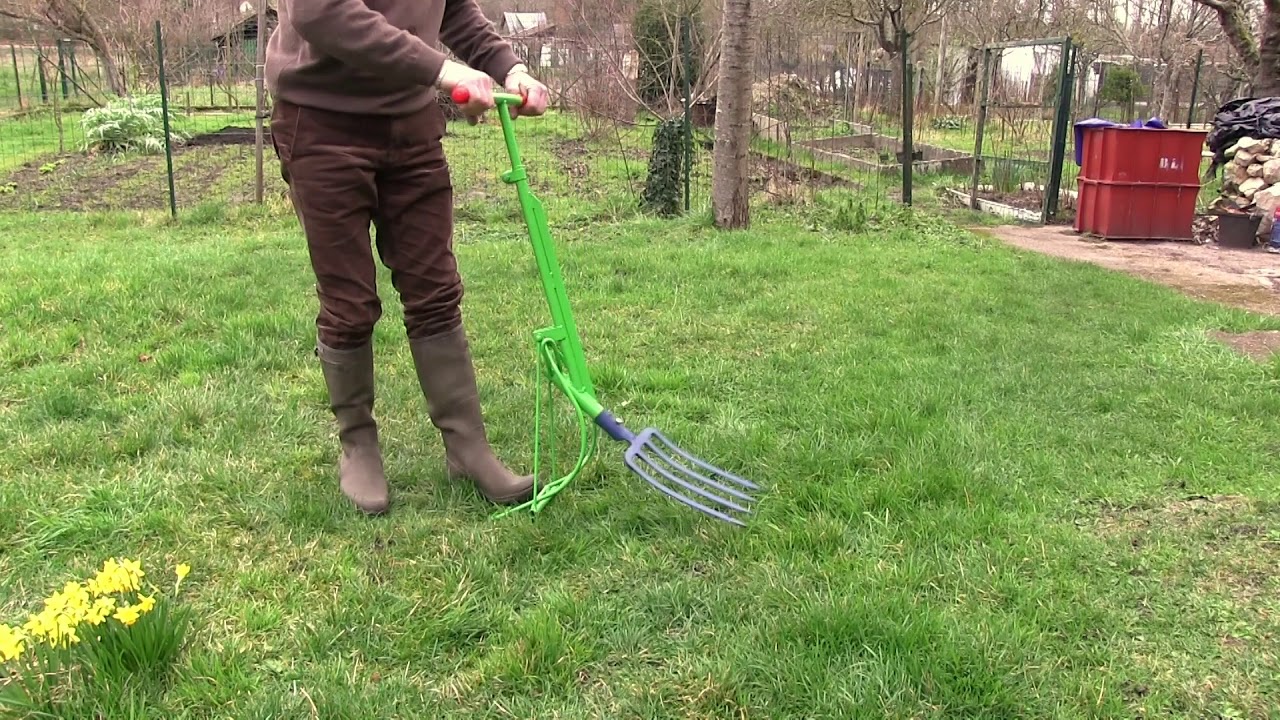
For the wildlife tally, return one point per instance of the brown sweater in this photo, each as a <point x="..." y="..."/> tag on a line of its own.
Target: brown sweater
<point x="376" y="56"/>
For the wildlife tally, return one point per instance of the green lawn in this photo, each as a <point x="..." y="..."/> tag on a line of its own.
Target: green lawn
<point x="997" y="484"/>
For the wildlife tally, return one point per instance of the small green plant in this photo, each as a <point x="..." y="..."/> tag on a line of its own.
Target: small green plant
<point x="8" y="188"/>
<point x="128" y="125"/>
<point x="848" y="214"/>
<point x="1008" y="176"/>
<point x="51" y="167"/>
<point x="949" y="122"/>
<point x="843" y="211"/>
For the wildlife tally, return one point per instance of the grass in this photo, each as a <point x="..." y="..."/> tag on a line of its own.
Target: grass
<point x="998" y="485"/>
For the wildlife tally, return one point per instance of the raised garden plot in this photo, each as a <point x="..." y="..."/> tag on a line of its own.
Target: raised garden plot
<point x="882" y="154"/>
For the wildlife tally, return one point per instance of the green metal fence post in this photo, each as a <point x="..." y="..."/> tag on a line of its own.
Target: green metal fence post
<point x="686" y="42"/>
<point x="17" y="74"/>
<point x="164" y="108"/>
<point x="983" y="98"/>
<point x="1195" y="88"/>
<point x="908" y="111"/>
<point x="1062" y="119"/>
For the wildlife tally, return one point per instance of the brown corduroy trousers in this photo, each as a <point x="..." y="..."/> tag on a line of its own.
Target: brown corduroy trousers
<point x="348" y="172"/>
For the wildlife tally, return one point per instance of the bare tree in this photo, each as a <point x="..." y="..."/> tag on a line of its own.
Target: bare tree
<point x="124" y="31"/>
<point x="75" y="19"/>
<point x="1260" y="52"/>
<point x="887" y="19"/>
<point x="730" y="187"/>
<point x="607" y="55"/>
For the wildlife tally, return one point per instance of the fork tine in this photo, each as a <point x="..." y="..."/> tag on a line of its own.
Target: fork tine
<point x="634" y="463"/>
<point x="705" y="465"/>
<point x="692" y="474"/>
<point x="673" y="472"/>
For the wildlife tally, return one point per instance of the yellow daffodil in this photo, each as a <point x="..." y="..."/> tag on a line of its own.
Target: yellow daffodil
<point x="105" y="595"/>
<point x="12" y="643"/>
<point x="101" y="610"/>
<point x="111" y="579"/>
<point x="117" y="576"/>
<point x="127" y="615"/>
<point x="133" y="569"/>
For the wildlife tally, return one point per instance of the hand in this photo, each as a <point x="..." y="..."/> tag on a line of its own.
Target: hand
<point x="478" y="85"/>
<point x="535" y="94"/>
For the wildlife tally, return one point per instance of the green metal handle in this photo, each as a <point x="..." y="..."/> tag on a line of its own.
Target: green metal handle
<point x="563" y="330"/>
<point x="462" y="96"/>
<point x="559" y="349"/>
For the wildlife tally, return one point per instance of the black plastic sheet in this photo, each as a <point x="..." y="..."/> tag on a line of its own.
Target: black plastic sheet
<point x="1257" y="118"/>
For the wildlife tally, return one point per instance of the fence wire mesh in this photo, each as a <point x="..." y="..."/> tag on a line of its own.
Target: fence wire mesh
<point x="832" y="109"/>
<point x="59" y="112"/>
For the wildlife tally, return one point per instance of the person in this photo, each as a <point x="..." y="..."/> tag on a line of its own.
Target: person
<point x="358" y="129"/>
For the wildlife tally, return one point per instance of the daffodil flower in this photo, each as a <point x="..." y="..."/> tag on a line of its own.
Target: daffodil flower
<point x="12" y="643"/>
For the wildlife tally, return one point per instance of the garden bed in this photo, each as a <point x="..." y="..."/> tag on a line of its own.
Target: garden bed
<point x="1025" y="205"/>
<point x="882" y="154"/>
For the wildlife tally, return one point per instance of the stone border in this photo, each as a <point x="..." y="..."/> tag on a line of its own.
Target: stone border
<point x="995" y="208"/>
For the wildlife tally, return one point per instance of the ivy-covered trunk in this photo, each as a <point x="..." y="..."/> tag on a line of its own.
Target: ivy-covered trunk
<point x="662" y="189"/>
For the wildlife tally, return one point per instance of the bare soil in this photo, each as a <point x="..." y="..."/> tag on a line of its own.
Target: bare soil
<point x="87" y="183"/>
<point x="1248" y="279"/>
<point x="1259" y="345"/>
<point x="766" y="170"/>
<point x="572" y="154"/>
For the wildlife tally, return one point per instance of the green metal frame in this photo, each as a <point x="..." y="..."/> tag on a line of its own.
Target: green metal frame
<point x="558" y="347"/>
<point x="1061" y="121"/>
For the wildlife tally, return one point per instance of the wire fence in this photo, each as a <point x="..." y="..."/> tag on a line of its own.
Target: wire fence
<point x="632" y="122"/>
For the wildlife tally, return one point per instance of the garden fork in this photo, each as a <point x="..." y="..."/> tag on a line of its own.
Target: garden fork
<point x="649" y="454"/>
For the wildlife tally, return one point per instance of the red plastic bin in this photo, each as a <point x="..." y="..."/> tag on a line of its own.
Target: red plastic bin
<point x="1146" y="155"/>
<point x="1133" y="211"/>
<point x="1139" y="184"/>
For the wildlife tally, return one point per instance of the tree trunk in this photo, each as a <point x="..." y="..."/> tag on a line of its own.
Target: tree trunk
<point x="1266" y="80"/>
<point x="730" y="187"/>
<point x="1164" y="75"/>
<point x="110" y="68"/>
<point x="939" y="94"/>
<point x="1233" y="16"/>
<point x="969" y="84"/>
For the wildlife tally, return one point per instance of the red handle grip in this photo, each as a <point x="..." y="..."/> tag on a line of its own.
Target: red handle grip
<point x="462" y="96"/>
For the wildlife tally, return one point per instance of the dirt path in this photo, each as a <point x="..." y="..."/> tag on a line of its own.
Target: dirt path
<point x="1248" y="279"/>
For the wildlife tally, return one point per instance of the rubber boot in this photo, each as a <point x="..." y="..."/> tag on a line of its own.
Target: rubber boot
<point x="447" y="377"/>
<point x="349" y="377"/>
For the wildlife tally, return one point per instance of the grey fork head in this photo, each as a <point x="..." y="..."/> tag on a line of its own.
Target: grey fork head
<point x="683" y="477"/>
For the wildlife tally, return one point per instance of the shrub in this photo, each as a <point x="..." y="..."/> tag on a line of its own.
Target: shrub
<point x="656" y="28"/>
<point x="1122" y="86"/>
<point x="949" y="122"/>
<point x="128" y="124"/>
